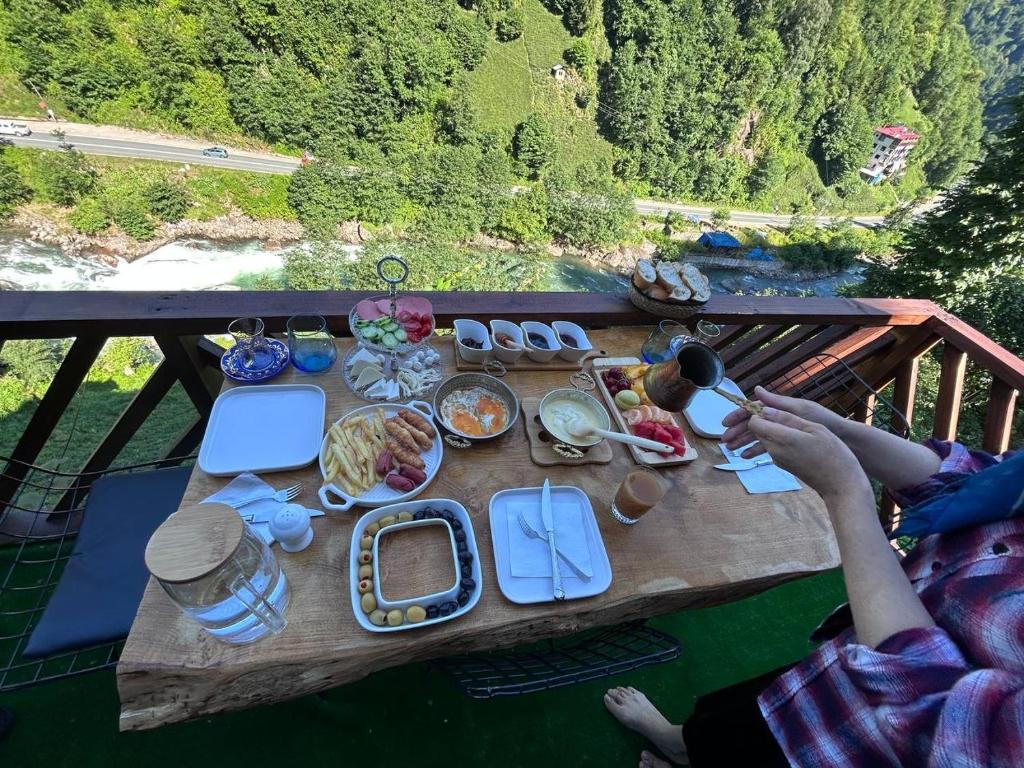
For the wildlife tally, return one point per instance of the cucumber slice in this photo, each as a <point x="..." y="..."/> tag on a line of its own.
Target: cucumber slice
<point x="391" y="326"/>
<point x="389" y="340"/>
<point x="401" y="335"/>
<point x="371" y="332"/>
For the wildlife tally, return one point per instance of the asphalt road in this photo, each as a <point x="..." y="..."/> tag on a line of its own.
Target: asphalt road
<point x="263" y="163"/>
<point x="92" y="145"/>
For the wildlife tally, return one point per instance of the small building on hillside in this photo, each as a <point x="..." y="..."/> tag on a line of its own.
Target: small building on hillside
<point x="889" y="153"/>
<point x="559" y="72"/>
<point x="718" y="241"/>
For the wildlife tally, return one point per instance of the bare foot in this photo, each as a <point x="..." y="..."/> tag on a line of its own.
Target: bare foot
<point x="651" y="760"/>
<point x="635" y="711"/>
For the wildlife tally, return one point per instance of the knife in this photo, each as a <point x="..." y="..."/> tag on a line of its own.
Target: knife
<point x="549" y="527"/>
<point x="739" y="466"/>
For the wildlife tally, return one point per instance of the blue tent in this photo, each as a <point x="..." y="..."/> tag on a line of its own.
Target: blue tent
<point x="718" y="240"/>
<point x="759" y="254"/>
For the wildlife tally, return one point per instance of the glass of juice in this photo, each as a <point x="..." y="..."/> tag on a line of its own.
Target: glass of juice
<point x="641" y="489"/>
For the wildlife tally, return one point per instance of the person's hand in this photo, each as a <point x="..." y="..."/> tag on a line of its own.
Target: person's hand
<point x="811" y="452"/>
<point x="738" y="432"/>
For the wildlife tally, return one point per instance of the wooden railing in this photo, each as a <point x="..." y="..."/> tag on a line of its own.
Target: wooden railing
<point x="763" y="341"/>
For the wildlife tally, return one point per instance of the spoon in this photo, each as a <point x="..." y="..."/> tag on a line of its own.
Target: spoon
<point x="580" y="428"/>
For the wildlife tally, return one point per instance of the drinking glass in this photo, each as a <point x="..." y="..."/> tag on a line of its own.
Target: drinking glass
<point x="640" y="490"/>
<point x="251" y="343"/>
<point x="310" y="344"/>
<point x="659" y="345"/>
<point x="707" y="331"/>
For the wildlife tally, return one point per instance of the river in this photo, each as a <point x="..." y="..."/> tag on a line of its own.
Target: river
<point x="196" y="265"/>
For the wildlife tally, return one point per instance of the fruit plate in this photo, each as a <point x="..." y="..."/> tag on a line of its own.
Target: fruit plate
<point x="569" y="505"/>
<point x="640" y="455"/>
<point x="381" y="493"/>
<point x="402" y="348"/>
<point x="470" y="557"/>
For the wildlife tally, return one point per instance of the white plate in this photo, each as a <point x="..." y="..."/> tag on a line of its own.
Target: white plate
<point x="707" y="409"/>
<point x="266" y="428"/>
<point x="380" y="493"/>
<point x="357" y="532"/>
<point x="539" y="590"/>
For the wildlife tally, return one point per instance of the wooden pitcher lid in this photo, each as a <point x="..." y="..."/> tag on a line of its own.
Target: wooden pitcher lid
<point x="193" y="542"/>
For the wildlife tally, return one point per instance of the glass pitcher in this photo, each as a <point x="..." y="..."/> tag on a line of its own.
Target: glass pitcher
<point x="220" y="572"/>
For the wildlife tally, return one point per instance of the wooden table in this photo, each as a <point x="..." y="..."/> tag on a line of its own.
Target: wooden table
<point x="708" y="542"/>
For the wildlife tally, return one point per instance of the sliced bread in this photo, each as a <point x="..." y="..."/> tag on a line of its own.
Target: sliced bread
<point x="645" y="275"/>
<point x="668" y="276"/>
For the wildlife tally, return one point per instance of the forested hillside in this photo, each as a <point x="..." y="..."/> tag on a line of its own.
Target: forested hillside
<point x="745" y="102"/>
<point x="996" y="28"/>
<point x="723" y="97"/>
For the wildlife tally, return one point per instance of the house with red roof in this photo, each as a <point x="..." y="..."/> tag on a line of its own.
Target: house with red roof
<point x="889" y="152"/>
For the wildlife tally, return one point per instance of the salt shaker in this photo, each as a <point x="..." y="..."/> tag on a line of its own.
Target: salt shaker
<point x="291" y="527"/>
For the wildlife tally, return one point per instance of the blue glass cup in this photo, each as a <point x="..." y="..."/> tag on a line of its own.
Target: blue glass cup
<point x="663" y="341"/>
<point x="310" y="344"/>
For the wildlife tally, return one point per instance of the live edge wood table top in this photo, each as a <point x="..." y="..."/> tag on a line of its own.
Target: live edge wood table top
<point x="708" y="542"/>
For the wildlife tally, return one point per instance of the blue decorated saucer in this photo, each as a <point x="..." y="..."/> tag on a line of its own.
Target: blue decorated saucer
<point x="231" y="363"/>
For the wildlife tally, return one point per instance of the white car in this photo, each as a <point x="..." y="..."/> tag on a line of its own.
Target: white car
<point x="9" y="128"/>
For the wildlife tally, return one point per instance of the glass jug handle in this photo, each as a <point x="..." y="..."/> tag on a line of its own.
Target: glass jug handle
<point x="261" y="608"/>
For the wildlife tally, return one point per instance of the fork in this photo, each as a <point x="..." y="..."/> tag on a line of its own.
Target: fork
<point x="532" y="533"/>
<point x="285" y="494"/>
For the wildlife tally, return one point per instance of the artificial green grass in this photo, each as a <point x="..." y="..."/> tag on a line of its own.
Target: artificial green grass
<point x="410" y="716"/>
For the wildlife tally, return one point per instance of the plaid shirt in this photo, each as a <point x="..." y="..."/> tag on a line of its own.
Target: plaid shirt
<point x="950" y="695"/>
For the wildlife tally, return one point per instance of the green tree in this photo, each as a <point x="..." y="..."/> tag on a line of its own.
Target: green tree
<point x="66" y="176"/>
<point x="130" y="217"/>
<point x="588" y="208"/>
<point x="533" y="144"/>
<point x="968" y="253"/>
<point x="720" y="217"/>
<point x="166" y="200"/>
<point x="13" y="191"/>
<point x="90" y="216"/>
<point x="511" y="25"/>
<point x="580" y="56"/>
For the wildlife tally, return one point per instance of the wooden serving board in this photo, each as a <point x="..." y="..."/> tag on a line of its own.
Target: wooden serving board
<point x="541" y="452"/>
<point x="641" y="456"/>
<point x="526" y="364"/>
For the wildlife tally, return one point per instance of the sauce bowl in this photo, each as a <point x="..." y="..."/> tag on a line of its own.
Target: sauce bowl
<point x="591" y="407"/>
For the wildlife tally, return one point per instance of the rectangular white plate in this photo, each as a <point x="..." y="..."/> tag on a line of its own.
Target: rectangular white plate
<point x="707" y="409"/>
<point x="415" y="506"/>
<point x="534" y="590"/>
<point x="264" y="428"/>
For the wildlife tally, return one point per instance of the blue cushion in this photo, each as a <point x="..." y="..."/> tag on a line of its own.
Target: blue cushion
<point x="102" y="584"/>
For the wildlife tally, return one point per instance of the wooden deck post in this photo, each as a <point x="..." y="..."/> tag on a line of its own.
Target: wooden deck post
<point x="1002" y="402"/>
<point x="951" y="390"/>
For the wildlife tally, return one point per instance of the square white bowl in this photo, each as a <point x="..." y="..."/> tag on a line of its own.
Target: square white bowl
<point x="436" y="597"/>
<point x="578" y="335"/>
<point x="535" y="353"/>
<point x="471" y="329"/>
<point x="501" y="352"/>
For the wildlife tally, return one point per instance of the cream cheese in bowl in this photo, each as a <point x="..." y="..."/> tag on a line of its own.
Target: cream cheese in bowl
<point x="561" y="407"/>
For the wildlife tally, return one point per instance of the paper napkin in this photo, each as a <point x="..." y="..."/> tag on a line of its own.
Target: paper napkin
<point x="531" y="558"/>
<point x="248" y="486"/>
<point x="767" y="478"/>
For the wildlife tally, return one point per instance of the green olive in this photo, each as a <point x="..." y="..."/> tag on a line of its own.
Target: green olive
<point x="388" y="520"/>
<point x="404" y="517"/>
<point x="366" y="571"/>
<point x="415" y="614"/>
<point x="365" y="558"/>
<point x="395" y="618"/>
<point x="365" y="586"/>
<point x="378" y="617"/>
<point x="369" y="602"/>
<point x="366" y="542"/>
<point x="371" y="529"/>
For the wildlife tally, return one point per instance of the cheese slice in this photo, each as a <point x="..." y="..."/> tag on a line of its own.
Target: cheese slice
<point x="360" y="366"/>
<point x="364" y="356"/>
<point x="371" y="374"/>
<point x="382" y="388"/>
